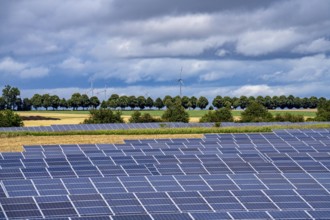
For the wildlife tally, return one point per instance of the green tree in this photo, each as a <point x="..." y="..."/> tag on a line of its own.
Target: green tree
<point x="159" y="103"/>
<point x="175" y="112"/>
<point x="268" y="102"/>
<point x="10" y="95"/>
<point x="297" y="103"/>
<point x="104" y="104"/>
<point x="141" y="102"/>
<point x="84" y="101"/>
<point x="75" y="101"/>
<point x="114" y="99"/>
<point x="282" y="102"/>
<point x="220" y="115"/>
<point x="10" y="119"/>
<point x="132" y="102"/>
<point x="26" y="105"/>
<point x="305" y="103"/>
<point x="323" y="111"/>
<point x="193" y="101"/>
<point x="55" y="101"/>
<point x="202" y="102"/>
<point x="137" y="117"/>
<point x="149" y="103"/>
<point x="64" y="103"/>
<point x="166" y="99"/>
<point x="2" y="103"/>
<point x="185" y="101"/>
<point x="256" y="112"/>
<point x="36" y="101"/>
<point x="275" y="101"/>
<point x="313" y="102"/>
<point x="218" y="102"/>
<point x="290" y="102"/>
<point x="243" y="102"/>
<point x="94" y="102"/>
<point x="46" y="101"/>
<point x="103" y="116"/>
<point x="123" y="102"/>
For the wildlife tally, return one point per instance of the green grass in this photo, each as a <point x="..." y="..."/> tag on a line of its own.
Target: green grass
<point x="192" y="113"/>
<point x="196" y="130"/>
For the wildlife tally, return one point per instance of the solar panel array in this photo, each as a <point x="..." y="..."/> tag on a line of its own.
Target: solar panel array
<point x="124" y="126"/>
<point x="279" y="175"/>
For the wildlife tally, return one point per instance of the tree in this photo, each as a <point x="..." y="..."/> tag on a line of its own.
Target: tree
<point x="132" y="102"/>
<point x="46" y="101"/>
<point x="313" y="102"/>
<point x="236" y="102"/>
<point x="123" y="102"/>
<point x="256" y="112"/>
<point x="202" y="102"/>
<point x="175" y="112"/>
<point x="297" y="103"/>
<point x="10" y="95"/>
<point x="104" y="104"/>
<point x="18" y="104"/>
<point x="141" y="102"/>
<point x="305" y="103"/>
<point x="103" y="116"/>
<point x="227" y="101"/>
<point x="10" y="119"/>
<point x="323" y="111"/>
<point x="268" y="102"/>
<point x="55" y="101"/>
<point x="220" y="115"/>
<point x="84" y="101"/>
<point x="2" y="103"/>
<point x="137" y="117"/>
<point x="26" y="105"/>
<point x="114" y="101"/>
<point x="282" y="102"/>
<point x="275" y="101"/>
<point x="290" y="102"/>
<point x="64" y="104"/>
<point x="185" y="102"/>
<point x="36" y="101"/>
<point x="149" y="103"/>
<point x="94" y="102"/>
<point x="193" y="101"/>
<point x="218" y="102"/>
<point x="159" y="103"/>
<point x="75" y="101"/>
<point x="167" y="99"/>
<point x="243" y="102"/>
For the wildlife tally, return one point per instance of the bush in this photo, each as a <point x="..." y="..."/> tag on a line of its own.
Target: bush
<point x="10" y="119"/>
<point x="220" y="115"/>
<point x="256" y="112"/>
<point x="175" y="112"/>
<point x="289" y="117"/>
<point x="137" y="117"/>
<point x="103" y="116"/>
<point x="323" y="111"/>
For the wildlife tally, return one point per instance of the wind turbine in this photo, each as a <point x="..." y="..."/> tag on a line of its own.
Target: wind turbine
<point x="103" y="91"/>
<point x="92" y="87"/>
<point x="180" y="80"/>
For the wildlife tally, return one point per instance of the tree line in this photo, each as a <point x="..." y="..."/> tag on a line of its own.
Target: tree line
<point x="10" y="99"/>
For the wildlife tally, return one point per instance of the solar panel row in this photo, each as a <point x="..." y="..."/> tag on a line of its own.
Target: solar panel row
<point x="280" y="175"/>
<point x="121" y="126"/>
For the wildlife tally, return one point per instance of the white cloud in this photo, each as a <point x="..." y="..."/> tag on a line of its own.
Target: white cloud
<point x="9" y="65"/>
<point x="317" y="46"/>
<point x="74" y="63"/>
<point x="37" y="72"/>
<point x="262" y="42"/>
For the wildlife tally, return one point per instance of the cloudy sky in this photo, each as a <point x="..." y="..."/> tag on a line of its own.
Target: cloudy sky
<point x="137" y="47"/>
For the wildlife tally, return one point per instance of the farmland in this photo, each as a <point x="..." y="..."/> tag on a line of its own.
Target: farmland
<point x="76" y="117"/>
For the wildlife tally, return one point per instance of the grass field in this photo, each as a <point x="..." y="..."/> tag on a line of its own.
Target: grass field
<point x="76" y="117"/>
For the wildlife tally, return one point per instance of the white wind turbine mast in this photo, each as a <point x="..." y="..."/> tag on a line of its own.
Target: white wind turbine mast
<point x="180" y="80"/>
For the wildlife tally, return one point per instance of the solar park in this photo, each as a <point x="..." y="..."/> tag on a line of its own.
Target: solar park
<point x="280" y="175"/>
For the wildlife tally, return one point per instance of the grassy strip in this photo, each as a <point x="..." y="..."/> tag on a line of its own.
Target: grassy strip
<point x="197" y="130"/>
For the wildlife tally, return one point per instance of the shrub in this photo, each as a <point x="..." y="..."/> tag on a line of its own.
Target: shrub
<point x="103" y="116"/>
<point x="137" y="117"/>
<point x="289" y="117"/>
<point x="323" y="111"/>
<point x="10" y="119"/>
<point x="256" y="112"/>
<point x="220" y="115"/>
<point x="175" y="112"/>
